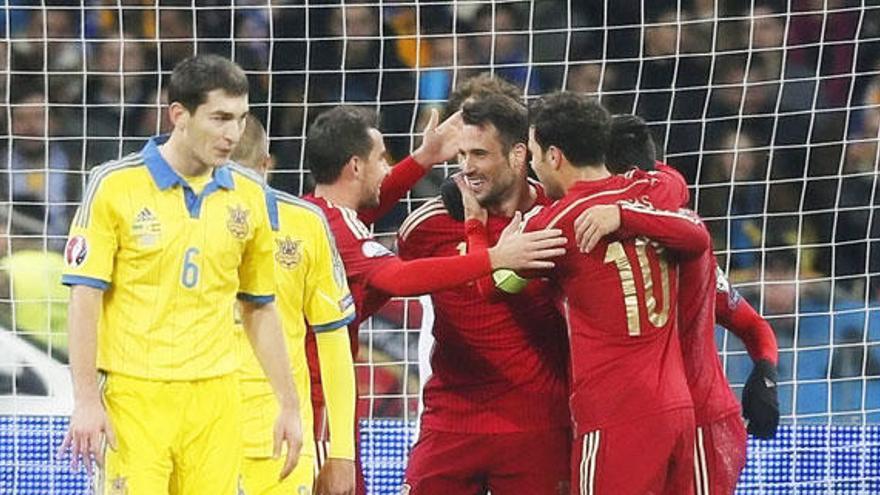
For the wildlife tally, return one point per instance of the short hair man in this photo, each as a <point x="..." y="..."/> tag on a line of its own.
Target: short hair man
<point x="311" y="289"/>
<point x="163" y="242"/>
<point x="628" y="381"/>
<point x="346" y="155"/>
<point x="704" y="295"/>
<point x="499" y="382"/>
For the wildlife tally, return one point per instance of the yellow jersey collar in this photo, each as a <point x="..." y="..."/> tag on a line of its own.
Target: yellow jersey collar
<point x="164" y="176"/>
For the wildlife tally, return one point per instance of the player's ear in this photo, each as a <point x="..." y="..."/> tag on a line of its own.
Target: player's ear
<point x="178" y="114"/>
<point x="354" y="165"/>
<point x="518" y="154"/>
<point x="554" y="156"/>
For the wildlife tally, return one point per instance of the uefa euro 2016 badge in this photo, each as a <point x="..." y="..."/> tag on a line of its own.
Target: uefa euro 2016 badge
<point x="238" y="222"/>
<point x="75" y="251"/>
<point x="288" y="254"/>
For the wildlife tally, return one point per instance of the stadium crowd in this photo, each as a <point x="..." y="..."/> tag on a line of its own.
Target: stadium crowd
<point x="775" y="133"/>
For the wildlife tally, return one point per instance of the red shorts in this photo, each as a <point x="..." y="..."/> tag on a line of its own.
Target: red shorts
<point x="652" y="455"/>
<point x="720" y="455"/>
<point x="533" y="462"/>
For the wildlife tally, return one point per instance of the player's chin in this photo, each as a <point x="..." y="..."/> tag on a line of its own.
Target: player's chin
<point x="221" y="158"/>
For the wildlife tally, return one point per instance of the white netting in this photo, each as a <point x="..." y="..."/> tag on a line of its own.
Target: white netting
<point x="770" y="109"/>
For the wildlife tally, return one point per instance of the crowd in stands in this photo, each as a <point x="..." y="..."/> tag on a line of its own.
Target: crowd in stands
<point x="771" y="114"/>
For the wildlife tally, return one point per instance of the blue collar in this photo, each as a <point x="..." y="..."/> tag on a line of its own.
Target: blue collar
<point x="166" y="177"/>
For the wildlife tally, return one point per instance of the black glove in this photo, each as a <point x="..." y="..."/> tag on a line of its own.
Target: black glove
<point x="452" y="199"/>
<point x="760" y="401"/>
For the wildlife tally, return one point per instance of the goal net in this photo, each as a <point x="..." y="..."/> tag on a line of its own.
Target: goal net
<point x="770" y="109"/>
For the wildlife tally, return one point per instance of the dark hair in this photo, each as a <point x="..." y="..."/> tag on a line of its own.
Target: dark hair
<point x="509" y="116"/>
<point x="480" y="85"/>
<point x="336" y="136"/>
<point x="576" y="124"/>
<point x="631" y="144"/>
<point x="196" y="76"/>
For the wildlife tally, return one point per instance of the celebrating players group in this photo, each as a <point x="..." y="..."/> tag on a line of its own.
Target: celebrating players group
<point x="214" y="320"/>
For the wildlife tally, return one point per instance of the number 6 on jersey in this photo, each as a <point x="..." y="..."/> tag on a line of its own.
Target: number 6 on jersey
<point x="189" y="277"/>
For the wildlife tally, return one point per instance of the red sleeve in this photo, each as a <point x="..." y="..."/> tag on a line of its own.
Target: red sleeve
<point x="404" y="175"/>
<point x="683" y="233"/>
<point x="410" y="278"/>
<point x="734" y="313"/>
<point x="675" y="185"/>
<point x="478" y="239"/>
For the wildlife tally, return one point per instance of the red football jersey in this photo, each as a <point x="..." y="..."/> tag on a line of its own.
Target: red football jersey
<point x="620" y="305"/>
<point x="710" y="392"/>
<point x="361" y="254"/>
<point x="498" y="366"/>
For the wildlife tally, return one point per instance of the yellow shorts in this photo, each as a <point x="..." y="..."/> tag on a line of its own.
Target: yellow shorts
<point x="173" y="437"/>
<point x="259" y="410"/>
<point x="260" y="476"/>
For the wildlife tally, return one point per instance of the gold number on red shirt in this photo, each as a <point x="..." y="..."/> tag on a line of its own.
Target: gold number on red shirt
<point x="617" y="255"/>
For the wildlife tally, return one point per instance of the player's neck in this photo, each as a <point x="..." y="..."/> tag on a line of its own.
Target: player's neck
<point x="521" y="198"/>
<point x="337" y="195"/>
<point x="585" y="174"/>
<point x="181" y="159"/>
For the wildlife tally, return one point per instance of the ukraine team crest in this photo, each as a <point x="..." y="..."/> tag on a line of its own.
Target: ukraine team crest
<point x="238" y="221"/>
<point x="288" y="254"/>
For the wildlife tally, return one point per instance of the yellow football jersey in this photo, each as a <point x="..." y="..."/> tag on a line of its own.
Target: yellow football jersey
<point x="311" y="287"/>
<point x="170" y="263"/>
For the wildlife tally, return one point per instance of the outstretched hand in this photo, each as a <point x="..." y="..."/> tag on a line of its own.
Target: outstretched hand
<point x="517" y="250"/>
<point x="439" y="142"/>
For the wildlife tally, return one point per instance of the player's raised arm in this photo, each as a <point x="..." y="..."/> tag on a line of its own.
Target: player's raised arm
<point x="440" y="143"/>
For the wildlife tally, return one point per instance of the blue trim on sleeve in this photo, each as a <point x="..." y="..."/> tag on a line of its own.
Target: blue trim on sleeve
<point x="334" y="325"/>
<point x="96" y="283"/>
<point x="272" y="207"/>
<point x="256" y="299"/>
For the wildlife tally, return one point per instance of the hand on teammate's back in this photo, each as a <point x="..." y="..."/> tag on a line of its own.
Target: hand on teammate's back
<point x="517" y="250"/>
<point x="336" y="478"/>
<point x="88" y="430"/>
<point x="595" y="223"/>
<point x="760" y="401"/>
<point x="439" y="142"/>
<point x="288" y="430"/>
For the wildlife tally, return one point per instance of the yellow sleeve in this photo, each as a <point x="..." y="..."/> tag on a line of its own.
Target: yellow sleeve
<point x="327" y="302"/>
<point x="257" y="270"/>
<point x="329" y="308"/>
<point x="337" y="376"/>
<point x="92" y="243"/>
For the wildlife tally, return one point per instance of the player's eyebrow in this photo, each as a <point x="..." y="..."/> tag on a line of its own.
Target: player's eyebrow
<point x="229" y="115"/>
